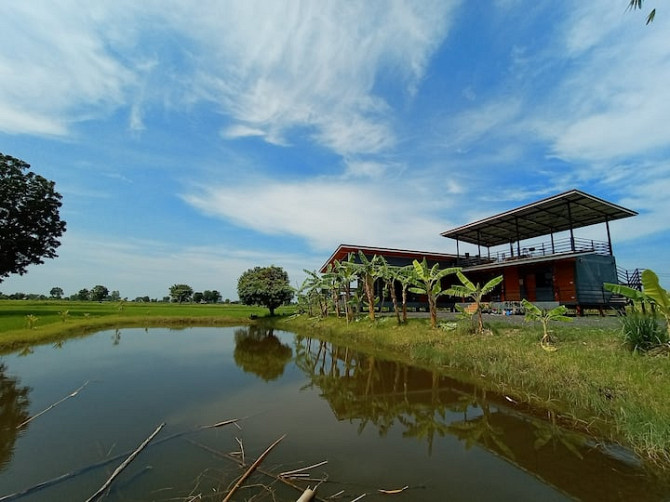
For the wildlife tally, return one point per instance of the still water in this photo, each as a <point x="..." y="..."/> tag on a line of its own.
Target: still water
<point x="380" y="425"/>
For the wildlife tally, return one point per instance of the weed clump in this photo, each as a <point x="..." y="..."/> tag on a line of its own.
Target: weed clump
<point x="642" y="332"/>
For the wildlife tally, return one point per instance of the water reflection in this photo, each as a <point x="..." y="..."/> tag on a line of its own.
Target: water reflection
<point x="13" y="412"/>
<point x="427" y="406"/>
<point x="259" y="351"/>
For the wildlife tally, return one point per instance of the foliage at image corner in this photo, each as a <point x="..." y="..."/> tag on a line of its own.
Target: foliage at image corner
<point x="265" y="286"/>
<point x="30" y="224"/>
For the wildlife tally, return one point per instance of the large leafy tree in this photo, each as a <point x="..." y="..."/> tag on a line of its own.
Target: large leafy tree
<point x="30" y="223"/>
<point x="56" y="293"/>
<point x="99" y="293"/>
<point x="181" y="292"/>
<point x="265" y="286"/>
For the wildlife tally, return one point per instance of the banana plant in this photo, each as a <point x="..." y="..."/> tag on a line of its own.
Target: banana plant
<point x="389" y="274"/>
<point x="467" y="289"/>
<point x="346" y="270"/>
<point x="535" y="313"/>
<point x="368" y="272"/>
<point x="428" y="281"/>
<point x="652" y="292"/>
<point x="406" y="277"/>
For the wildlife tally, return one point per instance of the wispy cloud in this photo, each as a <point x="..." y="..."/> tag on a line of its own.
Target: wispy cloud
<point x="315" y="65"/>
<point x="325" y="212"/>
<point x="63" y="72"/>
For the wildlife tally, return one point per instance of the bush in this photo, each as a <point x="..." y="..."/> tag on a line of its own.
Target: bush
<point x="642" y="332"/>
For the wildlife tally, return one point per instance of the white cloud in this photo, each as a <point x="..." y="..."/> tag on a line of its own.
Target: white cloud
<point x="56" y="67"/>
<point x="327" y="212"/>
<point x="241" y="131"/>
<point x="283" y="65"/>
<point x="613" y="101"/>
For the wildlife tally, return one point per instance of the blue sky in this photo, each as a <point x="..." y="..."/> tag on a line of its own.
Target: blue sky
<point x="192" y="141"/>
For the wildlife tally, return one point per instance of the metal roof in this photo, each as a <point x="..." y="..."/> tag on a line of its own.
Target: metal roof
<point x="344" y="249"/>
<point x="565" y="211"/>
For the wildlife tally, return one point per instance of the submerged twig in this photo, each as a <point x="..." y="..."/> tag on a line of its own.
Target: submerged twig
<point x="125" y="464"/>
<point x="302" y="469"/>
<point x="72" y="394"/>
<point x="251" y="469"/>
<point x="393" y="492"/>
<point x="239" y="441"/>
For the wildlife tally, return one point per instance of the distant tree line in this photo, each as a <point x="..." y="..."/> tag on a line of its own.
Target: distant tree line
<point x="179" y="293"/>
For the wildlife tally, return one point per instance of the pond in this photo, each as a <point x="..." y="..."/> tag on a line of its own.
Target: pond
<point x="380" y="425"/>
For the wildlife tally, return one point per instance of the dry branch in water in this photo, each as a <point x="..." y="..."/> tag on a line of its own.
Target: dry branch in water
<point x="287" y="474"/>
<point x="72" y="394"/>
<point x="125" y="464"/>
<point x="63" y="477"/>
<point x="269" y="474"/>
<point x="251" y="469"/>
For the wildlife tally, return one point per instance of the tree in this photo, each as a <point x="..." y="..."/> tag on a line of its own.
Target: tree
<point x="83" y="295"/>
<point x="467" y="289"/>
<point x="211" y="296"/>
<point x="428" y="281"/>
<point x="265" y="286"/>
<point x="99" y="293"/>
<point x="56" y="293"/>
<point x="198" y="296"/>
<point x="181" y="292"/>
<point x="30" y="224"/>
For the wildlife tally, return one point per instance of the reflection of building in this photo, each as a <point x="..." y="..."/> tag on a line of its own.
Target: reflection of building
<point x="559" y="268"/>
<point x="427" y="406"/>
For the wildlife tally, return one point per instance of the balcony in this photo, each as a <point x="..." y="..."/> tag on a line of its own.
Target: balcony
<point x="538" y="250"/>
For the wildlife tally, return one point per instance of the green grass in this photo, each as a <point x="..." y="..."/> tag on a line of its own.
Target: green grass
<point x="591" y="380"/>
<point x="51" y="323"/>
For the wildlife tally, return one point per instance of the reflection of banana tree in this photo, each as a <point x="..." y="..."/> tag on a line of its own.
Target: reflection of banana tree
<point x="14" y="405"/>
<point x="552" y="433"/>
<point x="479" y="429"/>
<point x="259" y="351"/>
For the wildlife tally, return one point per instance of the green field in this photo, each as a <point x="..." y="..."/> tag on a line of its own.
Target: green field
<point x="24" y="322"/>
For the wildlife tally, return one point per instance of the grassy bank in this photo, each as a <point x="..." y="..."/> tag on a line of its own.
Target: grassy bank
<point x="591" y="380"/>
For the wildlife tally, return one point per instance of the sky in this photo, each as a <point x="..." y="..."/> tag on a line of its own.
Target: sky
<point x="192" y="141"/>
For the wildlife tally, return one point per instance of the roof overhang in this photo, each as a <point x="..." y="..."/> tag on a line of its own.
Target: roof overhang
<point x="343" y="251"/>
<point x="565" y="211"/>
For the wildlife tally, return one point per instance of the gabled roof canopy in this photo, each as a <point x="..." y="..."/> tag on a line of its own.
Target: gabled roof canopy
<point x="565" y="211"/>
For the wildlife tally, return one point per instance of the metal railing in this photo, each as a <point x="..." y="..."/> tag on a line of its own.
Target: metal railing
<point x="537" y="250"/>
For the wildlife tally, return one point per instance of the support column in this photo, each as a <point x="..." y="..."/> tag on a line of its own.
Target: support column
<point x="572" y="236"/>
<point x="609" y="237"/>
